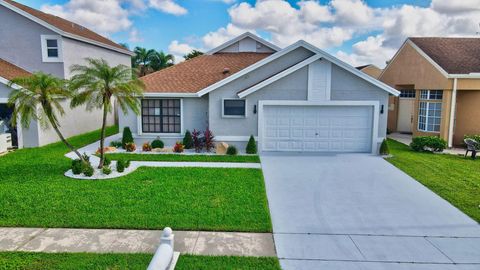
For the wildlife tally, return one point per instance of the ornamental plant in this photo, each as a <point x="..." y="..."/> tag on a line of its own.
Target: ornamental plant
<point x="127" y="137"/>
<point x="120" y="165"/>
<point x="188" y="140"/>
<point x="209" y="140"/>
<point x="251" y="146"/>
<point x="384" y="150"/>
<point x="130" y="147"/>
<point x="146" y="147"/>
<point x="178" y="148"/>
<point x="77" y="166"/>
<point x="197" y="140"/>
<point x="428" y="143"/>
<point x="232" y="150"/>
<point x="157" y="143"/>
<point x="106" y="169"/>
<point x="88" y="170"/>
<point x="116" y="144"/>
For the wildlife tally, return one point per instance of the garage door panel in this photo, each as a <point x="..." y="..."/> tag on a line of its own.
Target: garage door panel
<point x="317" y="128"/>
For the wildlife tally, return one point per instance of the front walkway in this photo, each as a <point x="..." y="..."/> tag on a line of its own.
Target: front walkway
<point x="135" y="241"/>
<point x="357" y="211"/>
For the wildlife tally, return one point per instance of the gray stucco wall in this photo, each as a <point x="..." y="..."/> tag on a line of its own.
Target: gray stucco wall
<point x="21" y="44"/>
<point x="347" y="86"/>
<point x="291" y="87"/>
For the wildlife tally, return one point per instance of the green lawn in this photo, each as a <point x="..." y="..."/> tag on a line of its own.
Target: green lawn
<point x="187" y="158"/>
<point x="64" y="261"/>
<point x="34" y="193"/>
<point x="454" y="178"/>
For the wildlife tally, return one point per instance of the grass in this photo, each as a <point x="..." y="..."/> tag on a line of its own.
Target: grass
<point x="454" y="178"/>
<point x="186" y="158"/>
<point x="34" y="193"/>
<point x="63" y="261"/>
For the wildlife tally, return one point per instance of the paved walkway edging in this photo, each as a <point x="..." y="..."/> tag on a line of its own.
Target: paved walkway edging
<point x="53" y="240"/>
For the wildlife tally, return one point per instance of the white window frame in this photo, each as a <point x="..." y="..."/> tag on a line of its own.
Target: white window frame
<point x="429" y="95"/>
<point x="409" y="91"/>
<point x="45" y="58"/>
<point x="163" y="135"/>
<point x="427" y="116"/>
<point x="234" y="116"/>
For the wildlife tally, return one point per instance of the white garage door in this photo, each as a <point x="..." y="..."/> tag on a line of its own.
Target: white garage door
<point x="317" y="128"/>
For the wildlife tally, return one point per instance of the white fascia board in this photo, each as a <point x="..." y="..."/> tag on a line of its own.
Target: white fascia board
<point x="279" y="76"/>
<point x="161" y="95"/>
<point x="242" y="36"/>
<point x="6" y="82"/>
<point x="248" y="69"/>
<point x="464" y="76"/>
<point x="63" y="33"/>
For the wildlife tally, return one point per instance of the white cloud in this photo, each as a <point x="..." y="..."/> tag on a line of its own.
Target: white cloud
<point x="449" y="6"/>
<point x="178" y="50"/>
<point x="168" y="6"/>
<point x="134" y="36"/>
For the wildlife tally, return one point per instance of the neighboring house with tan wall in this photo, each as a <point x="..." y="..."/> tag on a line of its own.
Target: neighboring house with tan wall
<point x="371" y="70"/>
<point x="439" y="80"/>
<point x="34" y="41"/>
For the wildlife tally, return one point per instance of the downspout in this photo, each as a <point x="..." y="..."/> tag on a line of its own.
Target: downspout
<point x="452" y="113"/>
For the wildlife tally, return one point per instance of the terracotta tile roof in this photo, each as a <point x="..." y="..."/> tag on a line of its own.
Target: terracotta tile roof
<point x="10" y="71"/>
<point x="454" y="55"/>
<point x="65" y="25"/>
<point x="195" y="74"/>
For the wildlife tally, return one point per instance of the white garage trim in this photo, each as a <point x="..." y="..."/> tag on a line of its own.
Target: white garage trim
<point x="374" y="104"/>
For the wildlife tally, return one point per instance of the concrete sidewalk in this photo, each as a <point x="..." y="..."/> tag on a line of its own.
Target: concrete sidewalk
<point x="134" y="241"/>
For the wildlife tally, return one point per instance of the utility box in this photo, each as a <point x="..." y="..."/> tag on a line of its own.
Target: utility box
<point x="5" y="142"/>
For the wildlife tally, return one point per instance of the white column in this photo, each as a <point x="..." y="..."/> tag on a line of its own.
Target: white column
<point x="452" y="113"/>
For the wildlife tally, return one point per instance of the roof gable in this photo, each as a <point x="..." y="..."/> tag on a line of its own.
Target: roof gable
<point x="247" y="42"/>
<point x="454" y="55"/>
<point x="64" y="27"/>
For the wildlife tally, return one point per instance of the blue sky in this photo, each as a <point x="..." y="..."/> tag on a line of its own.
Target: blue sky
<point x="357" y="31"/>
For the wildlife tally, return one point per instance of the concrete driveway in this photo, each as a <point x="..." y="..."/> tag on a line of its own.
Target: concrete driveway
<point x="357" y="211"/>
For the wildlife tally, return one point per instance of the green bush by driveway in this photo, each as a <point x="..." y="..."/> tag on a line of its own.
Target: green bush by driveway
<point x="34" y="193"/>
<point x="454" y="178"/>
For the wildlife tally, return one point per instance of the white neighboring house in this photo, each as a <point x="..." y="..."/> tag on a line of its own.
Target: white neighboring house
<point x="35" y="41"/>
<point x="297" y="99"/>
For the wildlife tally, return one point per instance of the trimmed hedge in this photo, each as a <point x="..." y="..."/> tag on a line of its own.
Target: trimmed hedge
<point x="232" y="150"/>
<point x="428" y="143"/>
<point x="384" y="150"/>
<point x="251" y="146"/>
<point x="127" y="137"/>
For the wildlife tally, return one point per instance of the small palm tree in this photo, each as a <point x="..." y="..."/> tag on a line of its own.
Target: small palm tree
<point x="192" y="54"/>
<point x="143" y="59"/>
<point x="38" y="97"/>
<point x="161" y="60"/>
<point x="96" y="83"/>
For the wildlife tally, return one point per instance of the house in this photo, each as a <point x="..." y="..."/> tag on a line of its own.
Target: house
<point x="439" y="81"/>
<point x="294" y="99"/>
<point x="371" y="70"/>
<point x="35" y="41"/>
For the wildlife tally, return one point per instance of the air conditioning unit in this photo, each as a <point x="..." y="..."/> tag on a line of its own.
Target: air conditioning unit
<point x="5" y="142"/>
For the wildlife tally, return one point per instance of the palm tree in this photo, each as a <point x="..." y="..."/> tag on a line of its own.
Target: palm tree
<point x="44" y="91"/>
<point x="142" y="60"/>
<point x="192" y="54"/>
<point x="161" y="60"/>
<point x="96" y="83"/>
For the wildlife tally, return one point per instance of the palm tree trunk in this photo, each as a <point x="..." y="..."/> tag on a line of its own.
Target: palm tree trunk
<point x="106" y="100"/>
<point x="60" y="135"/>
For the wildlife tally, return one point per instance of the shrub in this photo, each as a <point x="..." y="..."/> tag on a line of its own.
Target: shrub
<point x="127" y="137"/>
<point x="146" y="147"/>
<point x="106" y="170"/>
<point x="127" y="163"/>
<point x="188" y="140"/>
<point x="157" y="143"/>
<point x="178" y="148"/>
<point x="428" y="143"/>
<point x="474" y="137"/>
<point x="197" y="140"/>
<point x="77" y="166"/>
<point x="130" y="147"/>
<point x="384" y="150"/>
<point x="232" y="150"/>
<point x="88" y="170"/>
<point x="86" y="157"/>
<point x="107" y="161"/>
<point x="116" y="144"/>
<point x="209" y="140"/>
<point x="251" y="146"/>
<point x="120" y="165"/>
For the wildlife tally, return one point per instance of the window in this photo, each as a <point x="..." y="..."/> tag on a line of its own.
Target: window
<point x="407" y="93"/>
<point x="234" y="108"/>
<point x="51" y="48"/>
<point x="161" y="116"/>
<point x="431" y="94"/>
<point x="429" y="116"/>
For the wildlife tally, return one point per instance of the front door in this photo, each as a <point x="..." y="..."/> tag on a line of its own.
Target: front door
<point x="405" y="111"/>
